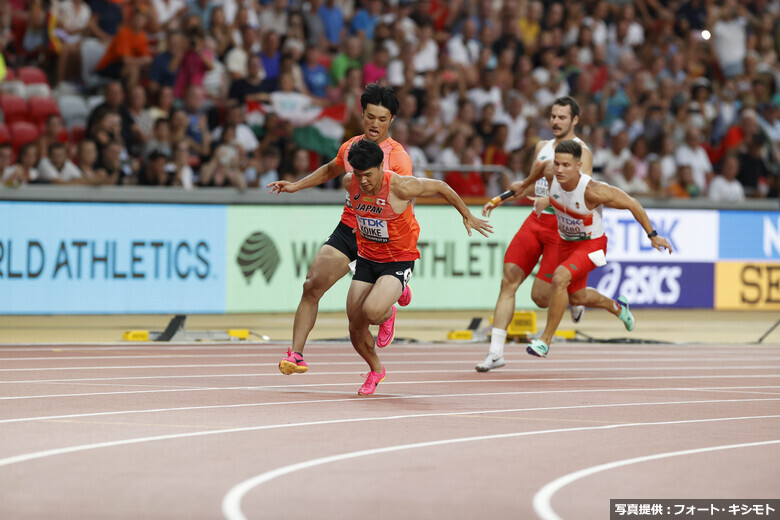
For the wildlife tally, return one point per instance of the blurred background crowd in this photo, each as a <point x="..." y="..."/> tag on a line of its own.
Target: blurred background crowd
<point x="679" y="98"/>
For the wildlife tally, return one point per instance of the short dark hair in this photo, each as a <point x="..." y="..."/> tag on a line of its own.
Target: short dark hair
<point x="365" y="154"/>
<point x="56" y="146"/>
<point x="568" y="101"/>
<point x="570" y="146"/>
<point x="380" y="96"/>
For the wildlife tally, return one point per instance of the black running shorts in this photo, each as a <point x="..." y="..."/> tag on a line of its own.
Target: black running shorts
<point x="344" y="240"/>
<point x="370" y="271"/>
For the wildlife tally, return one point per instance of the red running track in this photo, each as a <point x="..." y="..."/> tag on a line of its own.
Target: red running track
<point x="215" y="431"/>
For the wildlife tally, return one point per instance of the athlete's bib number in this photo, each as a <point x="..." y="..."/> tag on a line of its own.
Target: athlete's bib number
<point x="373" y="229"/>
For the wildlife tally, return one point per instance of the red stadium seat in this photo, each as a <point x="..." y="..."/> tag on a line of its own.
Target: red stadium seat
<point x="10" y="74"/>
<point x="32" y="75"/>
<point x="41" y="108"/>
<point x="22" y="133"/>
<point x="77" y="133"/>
<point x="5" y="134"/>
<point x="14" y="108"/>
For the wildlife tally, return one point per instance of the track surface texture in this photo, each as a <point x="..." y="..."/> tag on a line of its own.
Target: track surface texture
<point x="215" y="431"/>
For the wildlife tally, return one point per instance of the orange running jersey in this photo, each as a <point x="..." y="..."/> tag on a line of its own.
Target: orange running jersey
<point x="396" y="160"/>
<point x="383" y="235"/>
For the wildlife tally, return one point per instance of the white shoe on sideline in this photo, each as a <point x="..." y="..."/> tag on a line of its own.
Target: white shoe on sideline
<point x="491" y="361"/>
<point x="577" y="312"/>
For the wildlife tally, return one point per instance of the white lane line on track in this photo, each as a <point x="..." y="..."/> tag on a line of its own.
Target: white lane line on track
<point x="543" y="497"/>
<point x="664" y="368"/>
<point x="231" y="504"/>
<point x="275" y="355"/>
<point x="26" y="457"/>
<point x="387" y="383"/>
<point x="629" y="349"/>
<point x="395" y="397"/>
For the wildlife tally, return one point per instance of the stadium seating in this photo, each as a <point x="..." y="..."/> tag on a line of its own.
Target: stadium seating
<point x="23" y="132"/>
<point x="37" y="90"/>
<point x="41" y="108"/>
<point x="74" y="110"/>
<point x="5" y="133"/>
<point x="14" y="108"/>
<point x="31" y="75"/>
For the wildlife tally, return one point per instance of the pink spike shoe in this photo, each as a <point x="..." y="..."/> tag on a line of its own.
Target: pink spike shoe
<point x="406" y="297"/>
<point x="373" y="379"/>
<point x="386" y="331"/>
<point x="293" y="364"/>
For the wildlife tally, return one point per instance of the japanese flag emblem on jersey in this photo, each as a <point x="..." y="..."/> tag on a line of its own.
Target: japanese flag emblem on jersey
<point x="381" y="202"/>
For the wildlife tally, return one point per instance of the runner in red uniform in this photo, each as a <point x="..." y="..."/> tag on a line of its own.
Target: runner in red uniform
<point x="578" y="201"/>
<point x="380" y="106"/>
<point x="537" y="237"/>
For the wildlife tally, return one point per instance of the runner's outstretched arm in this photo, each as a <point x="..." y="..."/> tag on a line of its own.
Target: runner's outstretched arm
<point x="319" y="176"/>
<point x="407" y="188"/>
<point x="600" y="193"/>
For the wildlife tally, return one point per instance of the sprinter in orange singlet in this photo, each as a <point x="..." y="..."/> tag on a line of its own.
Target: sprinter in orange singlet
<point x="387" y="244"/>
<point x="380" y="106"/>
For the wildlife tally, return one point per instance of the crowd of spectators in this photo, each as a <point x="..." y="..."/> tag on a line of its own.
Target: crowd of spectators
<point x="679" y="98"/>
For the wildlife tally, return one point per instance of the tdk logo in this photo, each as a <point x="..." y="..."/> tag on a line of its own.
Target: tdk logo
<point x="372" y="222"/>
<point x="258" y="252"/>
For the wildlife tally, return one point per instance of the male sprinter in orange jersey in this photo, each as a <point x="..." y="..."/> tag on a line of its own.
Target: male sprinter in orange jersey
<point x="387" y="244"/>
<point x="380" y="106"/>
<point x="578" y="201"/>
<point x="538" y="236"/>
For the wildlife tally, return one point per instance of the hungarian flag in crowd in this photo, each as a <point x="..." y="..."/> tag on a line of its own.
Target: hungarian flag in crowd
<point x="316" y="128"/>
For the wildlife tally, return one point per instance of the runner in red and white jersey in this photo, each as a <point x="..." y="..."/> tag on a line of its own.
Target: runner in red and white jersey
<point x="578" y="202"/>
<point x="537" y="237"/>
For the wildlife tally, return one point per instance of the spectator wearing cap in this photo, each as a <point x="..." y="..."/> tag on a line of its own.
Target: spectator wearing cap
<point x="725" y="187"/>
